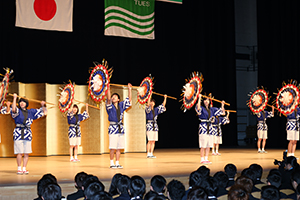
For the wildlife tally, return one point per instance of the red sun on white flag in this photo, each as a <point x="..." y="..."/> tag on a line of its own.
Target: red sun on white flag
<point x="45" y="9"/>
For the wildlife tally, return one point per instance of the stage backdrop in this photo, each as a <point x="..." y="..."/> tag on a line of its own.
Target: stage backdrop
<point x="197" y="35"/>
<point x="50" y="133"/>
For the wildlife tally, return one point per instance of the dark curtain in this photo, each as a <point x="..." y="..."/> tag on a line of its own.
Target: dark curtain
<point x="194" y="36"/>
<point x="278" y="55"/>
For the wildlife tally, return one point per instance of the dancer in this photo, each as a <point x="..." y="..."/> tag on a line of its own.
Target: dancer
<point x="292" y="130"/>
<point x="217" y="135"/>
<point x="262" y="129"/>
<point x="151" y="126"/>
<point x="22" y="133"/>
<point x="6" y="110"/>
<point x="206" y="114"/>
<point x="115" y="110"/>
<point x="74" y="132"/>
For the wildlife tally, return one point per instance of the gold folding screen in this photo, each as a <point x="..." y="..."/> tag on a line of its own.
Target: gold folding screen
<point x="50" y="133"/>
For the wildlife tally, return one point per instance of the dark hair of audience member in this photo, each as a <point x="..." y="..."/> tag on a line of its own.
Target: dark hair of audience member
<point x="221" y="179"/>
<point x="270" y="192"/>
<point x="250" y="174"/>
<point x="204" y="171"/>
<point x="113" y="185"/>
<point x="238" y="192"/>
<point x="210" y="186"/>
<point x="231" y="170"/>
<point x="137" y="187"/>
<point x="293" y="162"/>
<point x="46" y="178"/>
<point x="274" y="179"/>
<point x="197" y="193"/>
<point x="151" y="195"/>
<point x="89" y="179"/>
<point x="51" y="191"/>
<point x="258" y="170"/>
<point x="102" y="195"/>
<point x="176" y="190"/>
<point x="158" y="183"/>
<point x="295" y="178"/>
<point x="79" y="179"/>
<point x="275" y="171"/>
<point x="93" y="188"/>
<point x="195" y="179"/>
<point x="246" y="182"/>
<point x="123" y="183"/>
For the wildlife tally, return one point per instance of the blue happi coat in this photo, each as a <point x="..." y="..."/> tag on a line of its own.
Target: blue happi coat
<point x="74" y="128"/>
<point x="293" y="120"/>
<point x="152" y="120"/>
<point x="218" y="121"/>
<point x="205" y="125"/>
<point x="261" y="118"/>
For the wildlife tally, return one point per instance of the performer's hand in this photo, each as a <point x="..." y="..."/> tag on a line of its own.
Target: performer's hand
<point x="43" y="103"/>
<point x="129" y="86"/>
<point x="15" y="96"/>
<point x="165" y="96"/>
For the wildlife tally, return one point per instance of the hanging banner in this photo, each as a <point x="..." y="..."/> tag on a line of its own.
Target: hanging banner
<point x="130" y="18"/>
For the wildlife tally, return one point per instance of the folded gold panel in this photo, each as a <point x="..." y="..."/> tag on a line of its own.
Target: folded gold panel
<point x="50" y="133"/>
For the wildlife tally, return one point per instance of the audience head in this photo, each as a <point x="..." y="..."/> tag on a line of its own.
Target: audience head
<point x="51" y="191"/>
<point x="274" y="179"/>
<point x="258" y="170"/>
<point x="270" y="192"/>
<point x="47" y="178"/>
<point x="291" y="163"/>
<point x="238" y="192"/>
<point x="102" y="195"/>
<point x="197" y="193"/>
<point x="137" y="187"/>
<point x="123" y="183"/>
<point x="176" y="190"/>
<point x="250" y="174"/>
<point x="158" y="184"/>
<point x="221" y="179"/>
<point x="246" y="182"/>
<point x="210" y="186"/>
<point x="151" y="195"/>
<point x="92" y="188"/>
<point x="79" y="178"/>
<point x="88" y="179"/>
<point x="230" y="170"/>
<point x="113" y="185"/>
<point x="204" y="171"/>
<point x="195" y="179"/>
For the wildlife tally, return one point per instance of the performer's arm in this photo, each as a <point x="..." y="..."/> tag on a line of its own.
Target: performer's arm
<point x="199" y="102"/>
<point x="14" y="104"/>
<point x="43" y="103"/>
<point x="108" y="99"/>
<point x="222" y="107"/>
<point x="165" y="100"/>
<point x="129" y="92"/>
<point x="87" y="108"/>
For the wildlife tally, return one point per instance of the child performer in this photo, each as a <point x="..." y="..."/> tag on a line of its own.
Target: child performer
<point x="151" y="126"/>
<point x="217" y="136"/>
<point x="115" y="110"/>
<point x="205" y="114"/>
<point x="74" y="133"/>
<point x="22" y="133"/>
<point x="292" y="130"/>
<point x="262" y="128"/>
<point x="6" y="110"/>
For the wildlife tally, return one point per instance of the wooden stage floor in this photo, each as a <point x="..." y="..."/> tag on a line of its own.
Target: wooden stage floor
<point x="169" y="163"/>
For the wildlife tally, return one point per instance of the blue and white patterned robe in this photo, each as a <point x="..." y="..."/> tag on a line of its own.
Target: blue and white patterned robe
<point x="73" y="125"/>
<point x="149" y="117"/>
<point x="112" y="116"/>
<point x="33" y="114"/>
<point x="261" y="125"/>
<point x="293" y="120"/>
<point x="4" y="110"/>
<point x="217" y="131"/>
<point x="205" y="126"/>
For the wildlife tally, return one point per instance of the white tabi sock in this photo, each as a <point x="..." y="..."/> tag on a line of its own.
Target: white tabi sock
<point x="112" y="162"/>
<point x="206" y="158"/>
<point x="202" y="159"/>
<point x="24" y="169"/>
<point x="117" y="163"/>
<point x="19" y="168"/>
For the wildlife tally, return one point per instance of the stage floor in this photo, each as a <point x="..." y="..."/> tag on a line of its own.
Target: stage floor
<point x="169" y="163"/>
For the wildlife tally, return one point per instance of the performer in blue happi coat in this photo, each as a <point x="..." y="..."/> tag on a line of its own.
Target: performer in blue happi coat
<point x="115" y="110"/>
<point x="151" y="125"/>
<point x="217" y="132"/>
<point x="22" y="133"/>
<point x="206" y="114"/>
<point x="74" y="119"/>
<point x="262" y="129"/>
<point x="292" y="130"/>
<point x="5" y="110"/>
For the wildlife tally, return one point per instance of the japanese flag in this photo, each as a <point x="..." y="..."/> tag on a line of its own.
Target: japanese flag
<point x="45" y="14"/>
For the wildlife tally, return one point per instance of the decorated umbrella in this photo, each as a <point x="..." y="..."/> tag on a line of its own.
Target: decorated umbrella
<point x="258" y="100"/>
<point x="145" y="90"/>
<point x="288" y="98"/>
<point x="4" y="86"/>
<point x="98" y="82"/>
<point x="191" y="90"/>
<point x="66" y="97"/>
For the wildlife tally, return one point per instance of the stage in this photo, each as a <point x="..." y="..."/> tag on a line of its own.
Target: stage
<point x="171" y="163"/>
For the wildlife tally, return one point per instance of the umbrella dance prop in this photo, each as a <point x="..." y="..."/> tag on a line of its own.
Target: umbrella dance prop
<point x="145" y="90"/>
<point x="258" y="100"/>
<point x="4" y="86"/>
<point x="99" y="81"/>
<point x="66" y="98"/>
<point x="287" y="99"/>
<point x="191" y="91"/>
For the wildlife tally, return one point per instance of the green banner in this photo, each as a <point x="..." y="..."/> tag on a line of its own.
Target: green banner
<point x="129" y="18"/>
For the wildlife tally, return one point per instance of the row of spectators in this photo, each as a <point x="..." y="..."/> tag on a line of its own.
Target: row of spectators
<point x="281" y="183"/>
